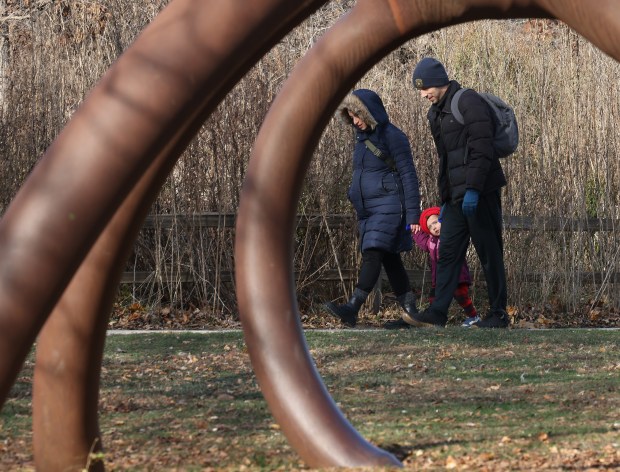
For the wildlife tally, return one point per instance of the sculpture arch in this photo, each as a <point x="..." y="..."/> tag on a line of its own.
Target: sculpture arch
<point x="60" y="240"/>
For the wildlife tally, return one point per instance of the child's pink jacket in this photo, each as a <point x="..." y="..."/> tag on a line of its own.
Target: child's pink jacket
<point x="430" y="244"/>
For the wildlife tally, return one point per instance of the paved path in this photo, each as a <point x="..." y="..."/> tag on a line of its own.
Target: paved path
<point x="322" y="330"/>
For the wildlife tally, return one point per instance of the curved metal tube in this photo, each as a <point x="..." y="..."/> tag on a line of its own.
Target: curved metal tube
<point x="70" y="346"/>
<point x="265" y="285"/>
<point x="204" y="56"/>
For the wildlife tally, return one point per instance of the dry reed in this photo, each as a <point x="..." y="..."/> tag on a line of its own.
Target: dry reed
<point x="565" y="93"/>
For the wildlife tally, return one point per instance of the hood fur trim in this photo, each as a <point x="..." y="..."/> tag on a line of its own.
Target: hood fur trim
<point x="353" y="104"/>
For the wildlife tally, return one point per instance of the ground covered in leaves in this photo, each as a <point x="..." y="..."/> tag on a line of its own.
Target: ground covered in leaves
<point x="554" y="314"/>
<point x="455" y="399"/>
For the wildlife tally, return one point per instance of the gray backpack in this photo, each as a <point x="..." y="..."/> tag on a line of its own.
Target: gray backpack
<point x="506" y="138"/>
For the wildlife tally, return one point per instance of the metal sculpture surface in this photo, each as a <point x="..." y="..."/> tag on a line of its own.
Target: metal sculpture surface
<point x="65" y="237"/>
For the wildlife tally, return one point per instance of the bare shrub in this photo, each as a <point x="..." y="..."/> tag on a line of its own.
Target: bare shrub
<point x="565" y="93"/>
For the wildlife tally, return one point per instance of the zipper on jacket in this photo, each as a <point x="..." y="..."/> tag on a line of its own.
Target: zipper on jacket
<point x="359" y="182"/>
<point x="443" y="143"/>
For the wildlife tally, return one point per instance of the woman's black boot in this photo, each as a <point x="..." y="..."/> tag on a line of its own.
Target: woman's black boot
<point x="347" y="313"/>
<point x="407" y="302"/>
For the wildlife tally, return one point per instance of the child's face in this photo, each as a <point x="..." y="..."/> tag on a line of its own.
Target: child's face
<point x="434" y="226"/>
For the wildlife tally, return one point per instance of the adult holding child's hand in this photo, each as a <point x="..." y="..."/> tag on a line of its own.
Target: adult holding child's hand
<point x="385" y="193"/>
<point x="470" y="183"/>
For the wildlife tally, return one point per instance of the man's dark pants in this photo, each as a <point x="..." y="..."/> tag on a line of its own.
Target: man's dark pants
<point x="485" y="231"/>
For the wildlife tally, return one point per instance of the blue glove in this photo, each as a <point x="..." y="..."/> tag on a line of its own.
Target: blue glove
<point x="470" y="202"/>
<point x="440" y="217"/>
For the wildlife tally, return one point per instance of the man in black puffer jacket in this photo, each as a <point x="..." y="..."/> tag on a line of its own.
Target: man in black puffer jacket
<point x="470" y="181"/>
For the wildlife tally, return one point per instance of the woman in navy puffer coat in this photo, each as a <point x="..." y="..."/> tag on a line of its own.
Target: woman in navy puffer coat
<point x="385" y="194"/>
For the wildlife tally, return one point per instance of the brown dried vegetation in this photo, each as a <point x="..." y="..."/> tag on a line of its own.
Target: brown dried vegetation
<point x="565" y="93"/>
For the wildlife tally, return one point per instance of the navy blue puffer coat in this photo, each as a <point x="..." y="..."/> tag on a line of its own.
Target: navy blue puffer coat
<point x="386" y="200"/>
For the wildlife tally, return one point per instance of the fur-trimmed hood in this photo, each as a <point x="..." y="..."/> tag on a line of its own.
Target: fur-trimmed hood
<point x="367" y="105"/>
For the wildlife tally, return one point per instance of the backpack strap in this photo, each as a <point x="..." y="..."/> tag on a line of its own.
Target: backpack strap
<point x="454" y="105"/>
<point x="377" y="152"/>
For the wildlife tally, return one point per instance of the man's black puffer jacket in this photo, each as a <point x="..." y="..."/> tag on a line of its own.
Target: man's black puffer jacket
<point x="467" y="158"/>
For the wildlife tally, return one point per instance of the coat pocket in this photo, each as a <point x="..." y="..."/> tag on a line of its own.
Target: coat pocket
<point x="389" y="184"/>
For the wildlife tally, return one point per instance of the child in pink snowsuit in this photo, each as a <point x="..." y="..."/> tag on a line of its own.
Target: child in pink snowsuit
<point x="428" y="240"/>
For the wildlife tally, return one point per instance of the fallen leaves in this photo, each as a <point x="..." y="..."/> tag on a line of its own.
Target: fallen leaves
<point x="553" y="314"/>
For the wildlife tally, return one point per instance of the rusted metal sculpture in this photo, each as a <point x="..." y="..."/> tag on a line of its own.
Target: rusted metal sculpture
<point x="65" y="237"/>
<point x="126" y="137"/>
<point x="266" y="215"/>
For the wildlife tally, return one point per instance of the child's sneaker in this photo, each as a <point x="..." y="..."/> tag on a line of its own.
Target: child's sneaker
<point x="470" y="321"/>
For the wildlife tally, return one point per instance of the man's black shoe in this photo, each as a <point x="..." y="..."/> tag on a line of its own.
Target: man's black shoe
<point x="498" y="319"/>
<point x="396" y="324"/>
<point x="426" y="319"/>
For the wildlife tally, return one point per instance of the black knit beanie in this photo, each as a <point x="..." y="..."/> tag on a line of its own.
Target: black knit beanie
<point x="429" y="73"/>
